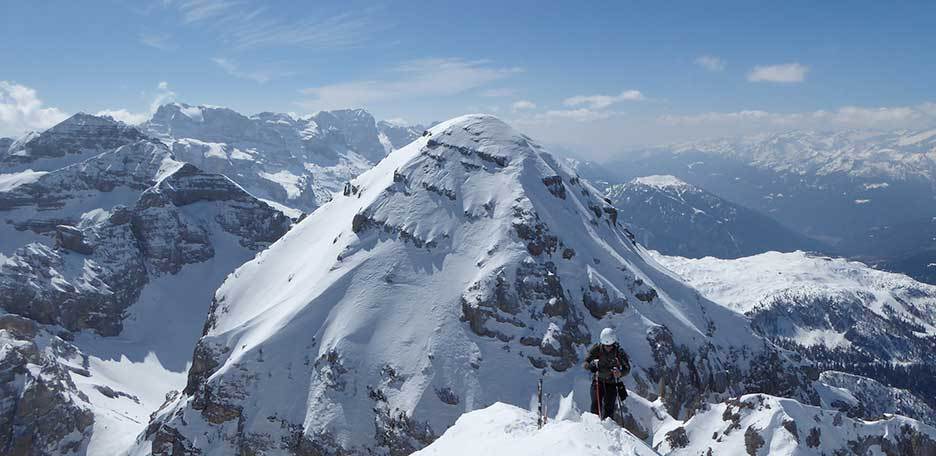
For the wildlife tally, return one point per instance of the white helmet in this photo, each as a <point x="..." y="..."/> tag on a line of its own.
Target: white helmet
<point x="607" y="337"/>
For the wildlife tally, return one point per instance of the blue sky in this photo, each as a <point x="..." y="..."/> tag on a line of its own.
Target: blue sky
<point x="598" y="77"/>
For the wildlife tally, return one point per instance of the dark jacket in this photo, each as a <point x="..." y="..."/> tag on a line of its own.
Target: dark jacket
<point x="607" y="359"/>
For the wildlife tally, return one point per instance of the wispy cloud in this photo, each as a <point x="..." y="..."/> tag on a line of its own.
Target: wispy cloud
<point x="710" y="63"/>
<point x="200" y="10"/>
<point x="163" y="41"/>
<point x="523" y="105"/>
<point x="785" y="73"/>
<point x="163" y="95"/>
<point x="414" y="79"/>
<point x="499" y="92"/>
<point x="246" y="26"/>
<point x="21" y="110"/>
<point x="260" y="76"/>
<point x="603" y="101"/>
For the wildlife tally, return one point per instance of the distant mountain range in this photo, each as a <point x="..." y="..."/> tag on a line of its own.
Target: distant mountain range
<point x="863" y="194"/>
<point x="296" y="162"/>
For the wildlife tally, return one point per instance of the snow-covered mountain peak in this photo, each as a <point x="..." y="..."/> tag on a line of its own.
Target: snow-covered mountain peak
<point x="467" y="257"/>
<point x="76" y="138"/>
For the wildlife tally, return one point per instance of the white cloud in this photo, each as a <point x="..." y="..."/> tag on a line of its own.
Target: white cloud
<point x="259" y="76"/>
<point x="163" y="95"/>
<point x="132" y="118"/>
<point x="522" y="105"/>
<point x="21" y="110"/>
<point x="414" y="79"/>
<point x="710" y="63"/>
<point x="603" y="101"/>
<point x="245" y="26"/>
<point x="786" y="73"/>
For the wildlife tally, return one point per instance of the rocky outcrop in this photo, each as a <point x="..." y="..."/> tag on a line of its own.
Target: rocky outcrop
<point x="74" y="289"/>
<point x="42" y="412"/>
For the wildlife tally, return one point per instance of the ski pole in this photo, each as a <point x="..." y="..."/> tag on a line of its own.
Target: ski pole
<point x="598" y="395"/>
<point x="620" y="403"/>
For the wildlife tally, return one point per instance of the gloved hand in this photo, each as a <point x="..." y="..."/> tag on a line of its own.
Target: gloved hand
<point x="593" y="366"/>
<point x="622" y="391"/>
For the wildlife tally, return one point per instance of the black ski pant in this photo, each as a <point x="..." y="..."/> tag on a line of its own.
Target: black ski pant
<point x="603" y="395"/>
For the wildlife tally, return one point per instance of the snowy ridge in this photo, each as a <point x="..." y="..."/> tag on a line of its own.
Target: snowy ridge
<point x="467" y="257"/>
<point x="760" y="424"/>
<point x="753" y="424"/>
<point x="746" y="283"/>
<point x="502" y="429"/>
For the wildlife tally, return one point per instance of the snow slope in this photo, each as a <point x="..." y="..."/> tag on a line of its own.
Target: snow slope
<point x="469" y="257"/>
<point x="506" y="430"/>
<point x="12" y="180"/>
<point x="749" y="283"/>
